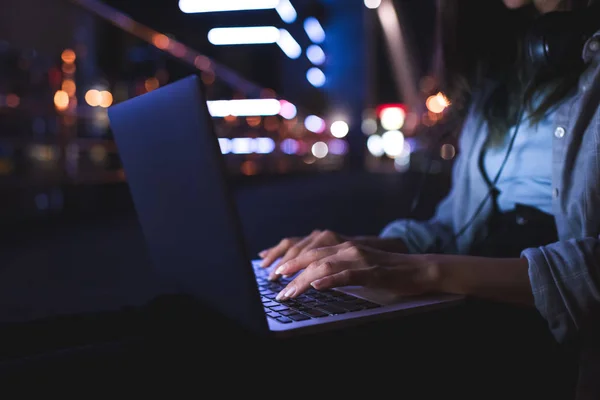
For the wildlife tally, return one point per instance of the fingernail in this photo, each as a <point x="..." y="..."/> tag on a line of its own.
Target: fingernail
<point x="279" y="270"/>
<point x="262" y="254"/>
<point x="316" y="284"/>
<point x="285" y="293"/>
<point x="279" y="295"/>
<point x="290" y="292"/>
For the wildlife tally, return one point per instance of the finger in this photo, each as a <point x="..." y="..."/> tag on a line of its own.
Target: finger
<point x="348" y="277"/>
<point x="275" y="252"/>
<point x="265" y="252"/>
<point x="292" y="253"/>
<point x="305" y="259"/>
<point x="300" y="284"/>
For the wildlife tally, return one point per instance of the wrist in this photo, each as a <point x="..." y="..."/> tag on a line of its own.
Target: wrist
<point x="433" y="274"/>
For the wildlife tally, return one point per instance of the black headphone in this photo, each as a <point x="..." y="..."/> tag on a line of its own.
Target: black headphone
<point x="556" y="39"/>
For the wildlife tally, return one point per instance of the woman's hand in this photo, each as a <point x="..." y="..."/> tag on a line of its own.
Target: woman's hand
<point x="290" y="248"/>
<point x="349" y="264"/>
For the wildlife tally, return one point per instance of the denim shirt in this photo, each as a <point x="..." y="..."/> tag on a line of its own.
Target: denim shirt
<point x="565" y="276"/>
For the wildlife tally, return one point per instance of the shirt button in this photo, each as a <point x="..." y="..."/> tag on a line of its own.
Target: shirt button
<point x="560" y="132"/>
<point x="555" y="193"/>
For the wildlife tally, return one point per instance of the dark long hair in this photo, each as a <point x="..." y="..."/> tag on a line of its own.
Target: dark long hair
<point x="482" y="41"/>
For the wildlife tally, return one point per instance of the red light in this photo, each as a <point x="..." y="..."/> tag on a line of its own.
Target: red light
<point x="382" y="107"/>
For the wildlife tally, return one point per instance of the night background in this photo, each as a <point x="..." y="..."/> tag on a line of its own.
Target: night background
<point x="353" y="139"/>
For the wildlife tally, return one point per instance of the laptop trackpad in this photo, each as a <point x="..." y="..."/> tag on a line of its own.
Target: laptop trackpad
<point x="375" y="295"/>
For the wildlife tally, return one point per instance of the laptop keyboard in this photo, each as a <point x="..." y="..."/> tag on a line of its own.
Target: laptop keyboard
<point x="311" y="304"/>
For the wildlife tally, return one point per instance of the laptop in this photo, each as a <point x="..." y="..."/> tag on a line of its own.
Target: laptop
<point x="179" y="186"/>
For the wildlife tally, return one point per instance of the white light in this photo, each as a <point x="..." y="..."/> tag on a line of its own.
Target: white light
<point x="393" y="143"/>
<point x="392" y="118"/>
<point x="288" y="45"/>
<point x="402" y="162"/>
<point x="243" y="35"/>
<point x="339" y="129"/>
<point x="320" y="149"/>
<point x="225" y="145"/>
<point x="287" y="110"/>
<point x="369" y="126"/>
<point x="202" y="6"/>
<point x="244" y="107"/>
<point x="242" y="145"/>
<point x="316" y="77"/>
<point x="315" y="54"/>
<point x="372" y="4"/>
<point x="315" y="124"/>
<point x="375" y="145"/>
<point x="264" y="145"/>
<point x="314" y="30"/>
<point x="289" y="146"/>
<point x="285" y="9"/>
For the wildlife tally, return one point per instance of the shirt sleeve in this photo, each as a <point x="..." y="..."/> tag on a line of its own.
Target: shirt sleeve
<point x="436" y="234"/>
<point x="565" y="278"/>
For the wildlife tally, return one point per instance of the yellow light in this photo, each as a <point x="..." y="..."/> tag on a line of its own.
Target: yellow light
<point x="68" y="86"/>
<point x="61" y="100"/>
<point x="106" y="99"/>
<point x="437" y="103"/>
<point x="93" y="98"/>
<point x="151" y="84"/>
<point x="161" y="41"/>
<point x="68" y="56"/>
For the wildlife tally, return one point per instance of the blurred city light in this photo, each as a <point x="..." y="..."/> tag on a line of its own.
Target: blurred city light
<point x="393" y="143"/>
<point x="289" y="146"/>
<point x="68" y="56"/>
<point x="339" y="129"/>
<point x="106" y="99"/>
<point x="288" y="45"/>
<point x="320" y="149"/>
<point x="61" y="100"/>
<point x="225" y="145"/>
<point x="316" y="77"/>
<point x="315" y="54"/>
<point x="392" y="118"/>
<point x="204" y="6"/>
<point x="93" y="97"/>
<point x="437" y="103"/>
<point x="244" y="107"/>
<point x="369" y="126"/>
<point x="372" y="4"/>
<point x="314" y="30"/>
<point x="244" y="35"/>
<point x="315" y="124"/>
<point x="286" y="11"/>
<point x="287" y="110"/>
<point x="375" y="145"/>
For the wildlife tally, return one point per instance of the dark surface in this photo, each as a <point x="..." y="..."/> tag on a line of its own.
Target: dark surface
<point x="91" y="312"/>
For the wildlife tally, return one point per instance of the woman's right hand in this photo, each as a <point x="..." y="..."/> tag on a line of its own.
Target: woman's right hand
<point x="290" y="248"/>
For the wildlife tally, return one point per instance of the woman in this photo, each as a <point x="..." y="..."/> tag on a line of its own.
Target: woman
<point x="521" y="223"/>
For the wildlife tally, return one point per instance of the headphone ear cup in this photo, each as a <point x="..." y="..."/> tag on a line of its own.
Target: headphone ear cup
<point x="555" y="41"/>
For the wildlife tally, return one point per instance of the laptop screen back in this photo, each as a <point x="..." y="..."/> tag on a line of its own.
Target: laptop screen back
<point x="177" y="180"/>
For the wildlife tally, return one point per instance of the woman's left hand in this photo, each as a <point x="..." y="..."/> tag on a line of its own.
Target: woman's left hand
<point x="349" y="264"/>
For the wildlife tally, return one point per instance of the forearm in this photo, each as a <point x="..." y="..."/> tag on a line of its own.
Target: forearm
<point x="391" y="245"/>
<point x="499" y="279"/>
